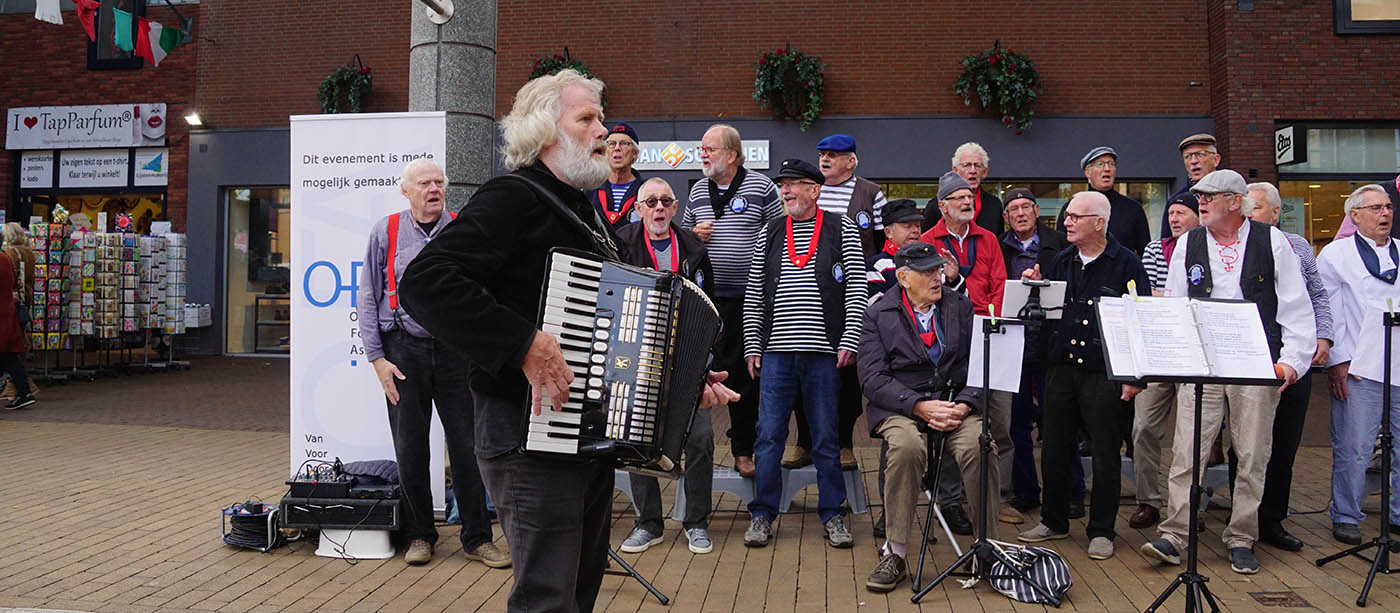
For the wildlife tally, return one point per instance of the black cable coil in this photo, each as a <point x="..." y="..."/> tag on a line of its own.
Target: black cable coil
<point x="253" y="525"/>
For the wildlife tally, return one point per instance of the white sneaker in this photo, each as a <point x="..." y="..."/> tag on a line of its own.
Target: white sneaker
<point x="699" y="540"/>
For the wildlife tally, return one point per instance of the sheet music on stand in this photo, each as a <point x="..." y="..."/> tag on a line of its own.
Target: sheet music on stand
<point x="1166" y="338"/>
<point x="1368" y="359"/>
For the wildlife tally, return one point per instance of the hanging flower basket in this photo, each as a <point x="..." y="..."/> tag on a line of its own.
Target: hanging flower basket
<point x="1003" y="83"/>
<point x="790" y="84"/>
<point x="551" y="64"/>
<point x="345" y="89"/>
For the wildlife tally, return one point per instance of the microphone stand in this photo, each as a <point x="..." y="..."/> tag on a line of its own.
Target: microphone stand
<point x="1383" y="543"/>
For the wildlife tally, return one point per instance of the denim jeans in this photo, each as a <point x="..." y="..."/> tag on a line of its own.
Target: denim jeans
<point x="1355" y="424"/>
<point x="784" y="374"/>
<point x="433" y="373"/>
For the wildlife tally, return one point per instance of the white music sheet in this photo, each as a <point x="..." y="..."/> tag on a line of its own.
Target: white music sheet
<point x="1016" y="293"/>
<point x="1117" y="342"/>
<point x="1368" y="359"/>
<point x="1235" y="340"/>
<point x="1008" y="350"/>
<point x="1167" y="341"/>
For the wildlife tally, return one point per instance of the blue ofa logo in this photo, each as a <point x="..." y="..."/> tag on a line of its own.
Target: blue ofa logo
<point x="323" y="269"/>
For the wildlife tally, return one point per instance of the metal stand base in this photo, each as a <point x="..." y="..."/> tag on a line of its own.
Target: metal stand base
<point x="1197" y="594"/>
<point x="628" y="571"/>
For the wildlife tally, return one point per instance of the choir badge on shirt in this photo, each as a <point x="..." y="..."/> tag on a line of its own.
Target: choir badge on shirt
<point x="863" y="220"/>
<point x="838" y="273"/>
<point x="738" y="204"/>
<point x="1196" y="274"/>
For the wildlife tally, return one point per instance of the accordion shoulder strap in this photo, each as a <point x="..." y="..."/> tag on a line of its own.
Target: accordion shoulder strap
<point x="602" y="243"/>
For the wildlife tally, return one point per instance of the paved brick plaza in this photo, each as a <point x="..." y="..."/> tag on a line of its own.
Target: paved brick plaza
<point x="114" y="489"/>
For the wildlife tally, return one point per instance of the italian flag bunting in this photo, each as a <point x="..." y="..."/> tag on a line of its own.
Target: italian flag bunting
<point x="154" y="41"/>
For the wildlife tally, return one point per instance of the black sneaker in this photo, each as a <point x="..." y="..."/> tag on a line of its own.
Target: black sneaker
<point x="21" y="402"/>
<point x="1162" y="551"/>
<point x="1242" y="561"/>
<point x="1346" y="532"/>
<point x="956" y="519"/>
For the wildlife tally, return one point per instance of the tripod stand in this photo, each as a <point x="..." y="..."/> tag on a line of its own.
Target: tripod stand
<point x="1383" y="543"/>
<point x="1191" y="578"/>
<point x="982" y="553"/>
<point x="628" y="571"/>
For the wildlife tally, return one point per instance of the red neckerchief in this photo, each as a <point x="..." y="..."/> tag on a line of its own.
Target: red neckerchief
<point x="928" y="337"/>
<point x="675" y="252"/>
<point x="890" y="248"/>
<point x="605" y="199"/>
<point x="800" y="261"/>
<point x="976" y="204"/>
<point x="1168" y="246"/>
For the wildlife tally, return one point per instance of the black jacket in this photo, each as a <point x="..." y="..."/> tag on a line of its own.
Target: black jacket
<point x="893" y="363"/>
<point x="602" y="195"/>
<point x="988" y="217"/>
<point x="477" y="288"/>
<point x="695" y="261"/>
<point x="1126" y="222"/>
<point x="1075" y="338"/>
<point x="1051" y="243"/>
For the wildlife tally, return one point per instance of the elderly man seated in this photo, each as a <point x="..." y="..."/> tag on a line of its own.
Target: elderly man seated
<point x="913" y="360"/>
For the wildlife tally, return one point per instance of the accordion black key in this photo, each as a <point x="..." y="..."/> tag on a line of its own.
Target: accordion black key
<point x="638" y="342"/>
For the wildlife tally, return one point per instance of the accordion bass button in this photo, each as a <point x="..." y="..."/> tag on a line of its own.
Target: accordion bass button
<point x="595" y="383"/>
<point x="595" y="395"/>
<point x="604" y="323"/>
<point x="598" y="358"/>
<point x="601" y="335"/>
<point x="600" y="347"/>
<point x="596" y="370"/>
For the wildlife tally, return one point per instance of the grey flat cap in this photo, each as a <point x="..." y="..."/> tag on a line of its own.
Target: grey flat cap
<point x="1096" y="152"/>
<point x="1223" y="181"/>
<point x="950" y="183"/>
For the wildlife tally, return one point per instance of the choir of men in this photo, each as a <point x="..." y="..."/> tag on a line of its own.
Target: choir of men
<point x="817" y="313"/>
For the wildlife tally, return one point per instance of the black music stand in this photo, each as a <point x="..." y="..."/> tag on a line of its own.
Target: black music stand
<point x="1383" y="543"/>
<point x="1191" y="578"/>
<point x="628" y="571"/>
<point x="982" y="551"/>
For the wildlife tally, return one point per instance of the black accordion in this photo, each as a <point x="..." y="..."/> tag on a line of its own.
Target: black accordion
<point x="638" y="342"/>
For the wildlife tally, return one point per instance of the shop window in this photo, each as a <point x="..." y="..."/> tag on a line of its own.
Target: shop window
<point x="1367" y="16"/>
<point x="258" y="265"/>
<point x="1314" y="209"/>
<point x="1350" y="150"/>
<point x="143" y="208"/>
<point x="1051" y="196"/>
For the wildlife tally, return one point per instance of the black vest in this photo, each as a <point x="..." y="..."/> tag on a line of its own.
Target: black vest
<point x="1256" y="276"/>
<point x="828" y="256"/>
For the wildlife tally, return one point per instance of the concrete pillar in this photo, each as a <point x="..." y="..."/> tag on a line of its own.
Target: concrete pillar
<point x="452" y="67"/>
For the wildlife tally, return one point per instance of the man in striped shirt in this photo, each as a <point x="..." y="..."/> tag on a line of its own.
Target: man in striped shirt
<point x="616" y="198"/>
<point x="802" y="318"/>
<point x="1153" y="407"/>
<point x="728" y="210"/>
<point x="1263" y="204"/>
<point x="862" y="201"/>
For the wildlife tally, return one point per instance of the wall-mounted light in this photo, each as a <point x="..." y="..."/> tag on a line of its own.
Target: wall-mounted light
<point x="194" y="120"/>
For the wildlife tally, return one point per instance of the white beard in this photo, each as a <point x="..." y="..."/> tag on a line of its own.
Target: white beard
<point x="577" y="166"/>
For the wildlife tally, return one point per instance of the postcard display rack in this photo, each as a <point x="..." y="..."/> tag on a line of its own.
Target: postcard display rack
<point x="105" y="291"/>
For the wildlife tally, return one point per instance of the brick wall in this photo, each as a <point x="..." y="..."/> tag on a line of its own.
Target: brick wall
<point x="1282" y="60"/>
<point x="676" y="59"/>
<point x="263" y="60"/>
<point x="46" y="65"/>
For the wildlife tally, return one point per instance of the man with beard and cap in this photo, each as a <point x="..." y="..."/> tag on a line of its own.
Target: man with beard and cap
<point x="1359" y="273"/>
<point x="477" y="288"/>
<point x="1153" y="408"/>
<point x="1263" y="204"/>
<point x="1027" y="243"/>
<point x="1200" y="157"/>
<point x="971" y="162"/>
<point x="1231" y="257"/>
<point x="657" y="243"/>
<point x="974" y="268"/>
<point x="616" y="198"/>
<point x="915" y="342"/>
<point x="728" y="209"/>
<point x="1078" y="393"/>
<point x="802" y="312"/>
<point x="862" y="201"/>
<point x="417" y="371"/>
<point x="1129" y="225"/>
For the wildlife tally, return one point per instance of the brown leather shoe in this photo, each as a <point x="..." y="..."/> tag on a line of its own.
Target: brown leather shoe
<point x="420" y="551"/>
<point x="848" y="460"/>
<point x="1146" y="516"/>
<point x="1008" y="515"/>
<point x="744" y="464"/>
<point x="489" y="554"/>
<point x="796" y="457"/>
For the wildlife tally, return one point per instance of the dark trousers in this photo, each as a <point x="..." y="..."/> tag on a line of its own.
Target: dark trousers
<point x="699" y="475"/>
<point x="1288" y="433"/>
<point x="848" y="410"/>
<point x="555" y="517"/>
<point x="434" y="374"/>
<point x="1028" y="409"/>
<point x="1077" y="398"/>
<point x="729" y="355"/>
<point x="13" y="363"/>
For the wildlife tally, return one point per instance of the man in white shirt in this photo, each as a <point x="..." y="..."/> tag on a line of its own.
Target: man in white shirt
<point x="1359" y="274"/>
<point x="1231" y="257"/>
